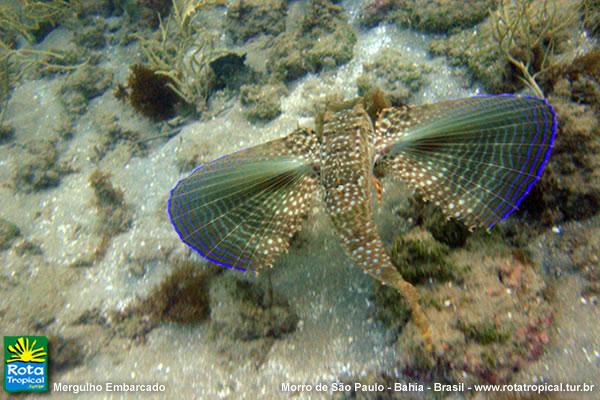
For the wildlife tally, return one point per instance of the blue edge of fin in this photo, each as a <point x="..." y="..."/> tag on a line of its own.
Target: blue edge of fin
<point x="506" y="214"/>
<point x="197" y="250"/>
<point x="538" y="173"/>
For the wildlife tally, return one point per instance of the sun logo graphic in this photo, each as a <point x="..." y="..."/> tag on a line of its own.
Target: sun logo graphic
<point x="25" y="363"/>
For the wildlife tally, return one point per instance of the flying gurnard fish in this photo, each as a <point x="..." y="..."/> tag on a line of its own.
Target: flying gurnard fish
<point x="476" y="158"/>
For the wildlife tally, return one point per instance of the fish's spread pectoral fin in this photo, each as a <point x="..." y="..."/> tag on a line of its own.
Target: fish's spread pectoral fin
<point x="476" y="158"/>
<point x="241" y="210"/>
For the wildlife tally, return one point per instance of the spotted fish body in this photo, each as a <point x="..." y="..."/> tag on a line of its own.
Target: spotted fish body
<point x="475" y="158"/>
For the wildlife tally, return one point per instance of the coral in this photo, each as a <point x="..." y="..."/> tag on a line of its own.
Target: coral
<point x="248" y="18"/>
<point x="262" y="102"/>
<point x="150" y="93"/>
<point x="323" y="40"/>
<point x="113" y="213"/>
<point x="8" y="233"/>
<point x="82" y="86"/>
<point x="426" y="15"/>
<point x="39" y="167"/>
<point x="243" y="311"/>
<point x="396" y="78"/>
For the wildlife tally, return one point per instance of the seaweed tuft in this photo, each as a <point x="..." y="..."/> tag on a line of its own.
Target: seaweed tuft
<point x="150" y="93"/>
<point x="182" y="297"/>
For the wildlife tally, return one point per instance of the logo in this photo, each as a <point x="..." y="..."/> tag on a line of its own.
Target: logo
<point x="25" y="364"/>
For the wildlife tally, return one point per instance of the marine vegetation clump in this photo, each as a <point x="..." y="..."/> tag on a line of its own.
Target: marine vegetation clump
<point x="92" y="36"/>
<point x="450" y="232"/>
<point x="66" y="353"/>
<point x="484" y="332"/>
<point x="151" y="94"/>
<point x="182" y="297"/>
<point x="516" y="45"/>
<point x="82" y="86"/>
<point x="591" y="16"/>
<point x="322" y="40"/>
<point x="569" y="188"/>
<point x="248" y="18"/>
<point x="419" y="258"/>
<point x="528" y="34"/>
<point x="33" y="19"/>
<point x="390" y="307"/>
<point x="114" y="215"/>
<point x="578" y="80"/>
<point x="262" y="102"/>
<point x="39" y="167"/>
<point x="7" y="132"/>
<point x="389" y="72"/>
<point x="438" y="16"/>
<point x="182" y="49"/>
<point x="112" y="136"/>
<point x="8" y="233"/>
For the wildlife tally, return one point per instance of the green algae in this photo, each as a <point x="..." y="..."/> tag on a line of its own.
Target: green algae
<point x="484" y="332"/>
<point x="419" y="258"/>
